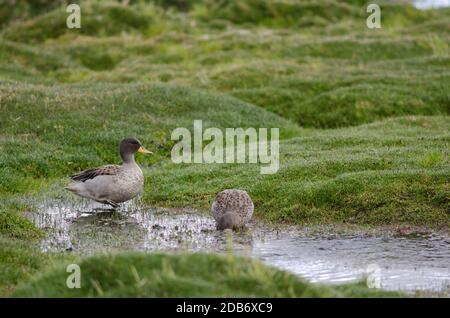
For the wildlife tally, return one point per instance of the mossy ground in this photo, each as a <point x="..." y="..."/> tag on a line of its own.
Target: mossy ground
<point x="363" y="114"/>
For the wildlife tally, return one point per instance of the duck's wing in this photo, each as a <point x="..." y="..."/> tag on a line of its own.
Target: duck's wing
<point x="94" y="172"/>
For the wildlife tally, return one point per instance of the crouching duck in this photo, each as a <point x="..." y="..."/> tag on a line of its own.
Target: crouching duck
<point x="112" y="184"/>
<point x="232" y="209"/>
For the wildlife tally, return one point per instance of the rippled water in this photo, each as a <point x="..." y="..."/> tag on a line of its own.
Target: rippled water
<point x="404" y="263"/>
<point x="409" y="264"/>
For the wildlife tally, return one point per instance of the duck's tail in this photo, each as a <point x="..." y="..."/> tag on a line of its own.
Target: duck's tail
<point x="78" y="188"/>
<point x="71" y="187"/>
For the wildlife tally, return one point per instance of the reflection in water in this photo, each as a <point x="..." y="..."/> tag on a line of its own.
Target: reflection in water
<point x="421" y="263"/>
<point x="89" y="228"/>
<point x="408" y="264"/>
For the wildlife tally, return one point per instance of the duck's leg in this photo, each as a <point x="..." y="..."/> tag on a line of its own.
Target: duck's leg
<point x="111" y="203"/>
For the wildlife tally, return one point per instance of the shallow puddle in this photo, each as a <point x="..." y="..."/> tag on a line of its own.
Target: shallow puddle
<point x="401" y="263"/>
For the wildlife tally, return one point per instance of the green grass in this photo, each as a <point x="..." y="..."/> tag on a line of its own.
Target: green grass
<point x="14" y="225"/>
<point x="19" y="260"/>
<point x="389" y="172"/>
<point x="363" y="114"/>
<point x="313" y="62"/>
<point x="19" y="254"/>
<point x="173" y="275"/>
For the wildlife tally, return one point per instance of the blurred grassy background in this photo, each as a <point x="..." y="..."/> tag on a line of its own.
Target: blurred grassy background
<point x="313" y="62"/>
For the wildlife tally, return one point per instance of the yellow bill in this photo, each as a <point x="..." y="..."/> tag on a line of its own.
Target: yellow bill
<point x="144" y="151"/>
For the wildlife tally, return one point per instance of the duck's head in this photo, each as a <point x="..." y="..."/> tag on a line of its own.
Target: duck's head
<point x="128" y="147"/>
<point x="228" y="221"/>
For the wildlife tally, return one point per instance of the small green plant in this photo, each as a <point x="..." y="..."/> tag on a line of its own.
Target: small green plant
<point x="431" y="159"/>
<point x="16" y="226"/>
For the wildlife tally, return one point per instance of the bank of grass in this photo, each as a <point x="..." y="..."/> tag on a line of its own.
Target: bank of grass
<point x="19" y="254"/>
<point x="13" y="225"/>
<point x="181" y="275"/>
<point x="385" y="173"/>
<point x="19" y="260"/>
<point x="313" y="62"/>
<point x="389" y="172"/>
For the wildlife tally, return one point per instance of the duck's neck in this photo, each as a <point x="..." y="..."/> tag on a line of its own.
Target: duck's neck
<point x="128" y="158"/>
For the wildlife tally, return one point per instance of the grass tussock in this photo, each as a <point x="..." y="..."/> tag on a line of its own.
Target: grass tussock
<point x="166" y="275"/>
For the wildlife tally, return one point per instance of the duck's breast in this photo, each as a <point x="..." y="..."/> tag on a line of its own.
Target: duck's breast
<point x="129" y="183"/>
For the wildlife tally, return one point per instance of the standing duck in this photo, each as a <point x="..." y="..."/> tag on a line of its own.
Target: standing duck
<point x="232" y="209"/>
<point x="112" y="184"/>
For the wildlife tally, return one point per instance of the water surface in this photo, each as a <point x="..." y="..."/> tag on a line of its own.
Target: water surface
<point x="420" y="263"/>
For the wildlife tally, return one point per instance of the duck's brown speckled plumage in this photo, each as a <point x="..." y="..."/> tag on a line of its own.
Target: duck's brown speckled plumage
<point x="107" y="170"/>
<point x="232" y="208"/>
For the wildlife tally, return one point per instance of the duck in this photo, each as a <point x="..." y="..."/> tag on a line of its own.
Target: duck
<point x="112" y="184"/>
<point x="232" y="209"/>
